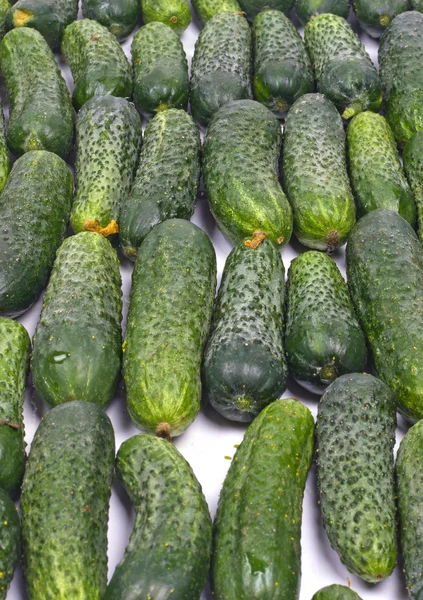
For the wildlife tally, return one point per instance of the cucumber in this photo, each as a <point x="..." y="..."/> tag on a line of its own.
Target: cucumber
<point x="108" y="139"/>
<point x="118" y="16"/>
<point x="160" y="69"/>
<point x="413" y="164"/>
<point x="253" y="7"/>
<point x="375" y="15"/>
<point x="355" y="438"/>
<point x="221" y="65"/>
<point x="417" y="5"/>
<point x="375" y="169"/>
<point x="34" y="211"/>
<point x="4" y="9"/>
<point x="241" y="170"/>
<point x="206" y="9"/>
<point x="167" y="178"/>
<point x="307" y="9"/>
<point x="282" y="68"/>
<point x="174" y="13"/>
<point x="323" y="339"/>
<point x="168" y="554"/>
<point x="65" y="504"/>
<point x="257" y="550"/>
<point x="9" y="542"/>
<point x="4" y="153"/>
<point x="41" y="115"/>
<point x="343" y="69"/>
<point x="170" y="308"/>
<point x="77" y="343"/>
<point x="336" y="592"/>
<point x="98" y="64"/>
<point x="315" y="173"/>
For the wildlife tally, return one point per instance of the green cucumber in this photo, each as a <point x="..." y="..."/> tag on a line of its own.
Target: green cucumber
<point x="221" y="65"/>
<point x="355" y="438"/>
<point x="307" y="9"/>
<point x="323" y="339"/>
<point x="65" y="504"/>
<point x="9" y="542"/>
<point x="77" y="343"/>
<point x="168" y="554"/>
<point x="343" y="69"/>
<point x="241" y="170"/>
<point x="375" y="15"/>
<point x="41" y="114"/>
<point x="375" y="169"/>
<point x="170" y="308"/>
<point x="282" y="68"/>
<point x="206" y="9"/>
<point x="160" y="69"/>
<point x="167" y="178"/>
<point x="98" y="63"/>
<point x="174" y="13"/>
<point x="118" y="16"/>
<point x="4" y="153"/>
<point x="4" y="9"/>
<point x="257" y="550"/>
<point x="34" y="212"/>
<point x="413" y="164"/>
<point x="315" y="173"/>
<point x="336" y="592"/>
<point x="253" y="7"/>
<point x="108" y="139"/>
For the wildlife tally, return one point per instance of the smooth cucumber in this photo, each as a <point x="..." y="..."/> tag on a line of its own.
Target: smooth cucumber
<point x="253" y="7"/>
<point x="336" y="592"/>
<point x="413" y="164"/>
<point x="206" y="9"/>
<point x="375" y="15"/>
<point x="307" y="9"/>
<point x="9" y="542"/>
<point x="174" y="13"/>
<point x="118" y="16"/>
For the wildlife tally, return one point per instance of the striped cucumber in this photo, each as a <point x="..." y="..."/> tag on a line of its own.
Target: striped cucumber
<point x="118" y="16"/>
<point x="253" y="7"/>
<point x="336" y="592"/>
<point x="206" y="9"/>
<point x="173" y="13"/>
<point x="308" y="9"/>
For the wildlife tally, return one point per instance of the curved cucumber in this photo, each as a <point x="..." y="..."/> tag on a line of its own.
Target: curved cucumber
<point x="206" y="9"/>
<point x="174" y="13"/>
<point x="307" y="9"/>
<point x="253" y="7"/>
<point x="9" y="542"/>
<point x="118" y="16"/>
<point x="375" y="15"/>
<point x="336" y="592"/>
<point x="413" y="164"/>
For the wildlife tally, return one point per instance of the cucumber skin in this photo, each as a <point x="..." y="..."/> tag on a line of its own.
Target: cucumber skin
<point x="253" y="7"/>
<point x="173" y="13"/>
<point x="9" y="542"/>
<point x="375" y="15"/>
<point x="307" y="9"/>
<point x="118" y="16"/>
<point x="65" y="502"/>
<point x="255" y="525"/>
<point x="4" y="153"/>
<point x="5" y="6"/>
<point x="170" y="309"/>
<point x="355" y="438"/>
<point x="167" y="178"/>
<point x="168" y="554"/>
<point x="41" y="114"/>
<point x="206" y="9"/>
<point x="413" y="166"/>
<point x="81" y="317"/>
<point x="241" y="173"/>
<point x="34" y="209"/>
<point x="336" y="592"/>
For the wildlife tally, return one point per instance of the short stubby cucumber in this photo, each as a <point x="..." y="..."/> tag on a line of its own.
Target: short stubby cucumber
<point x="34" y="212"/>
<point x="323" y="339"/>
<point x="355" y="438"/>
<point x="4" y="153"/>
<point x="282" y="68"/>
<point x="315" y="173"/>
<point x="221" y="65"/>
<point x="41" y="116"/>
<point x="257" y="550"/>
<point x="241" y="173"/>
<point x="77" y="344"/>
<point x="168" y="554"/>
<point x="118" y="16"/>
<point x="206" y="9"/>
<point x="9" y="542"/>
<point x="375" y="15"/>
<point x="98" y="64"/>
<point x="167" y="179"/>
<point x="307" y="9"/>
<point x="65" y="504"/>
<point x="170" y="308"/>
<point x="413" y="164"/>
<point x="253" y="7"/>
<point x="174" y="13"/>
<point x="4" y="9"/>
<point x="336" y="592"/>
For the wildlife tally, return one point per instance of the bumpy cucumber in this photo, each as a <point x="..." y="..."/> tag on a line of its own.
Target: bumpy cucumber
<point x="174" y="13"/>
<point x="77" y="344"/>
<point x="206" y="9"/>
<point x="315" y="173"/>
<point x="307" y="9"/>
<point x="4" y="153"/>
<point x="355" y="433"/>
<point x="160" y="69"/>
<point x="241" y="169"/>
<point x="171" y="303"/>
<point x="41" y="114"/>
<point x="4" y="9"/>
<point x="65" y="504"/>
<point x="375" y="15"/>
<point x="413" y="165"/>
<point x="34" y="212"/>
<point x="98" y="64"/>
<point x="282" y="68"/>
<point x="118" y="16"/>
<point x="108" y="139"/>
<point x="258" y="526"/>
<point x="336" y="592"/>
<point x="9" y="542"/>
<point x="221" y="65"/>
<point x="253" y="7"/>
<point x="167" y="178"/>
<point x="168" y="554"/>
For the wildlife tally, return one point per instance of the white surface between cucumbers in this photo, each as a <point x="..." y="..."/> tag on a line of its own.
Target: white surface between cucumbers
<point x="211" y="439"/>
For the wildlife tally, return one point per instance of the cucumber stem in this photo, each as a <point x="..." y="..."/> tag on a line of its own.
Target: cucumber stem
<point x="258" y="237"/>
<point x="352" y="110"/>
<point x="332" y="241"/>
<point x="328" y="373"/>
<point x="94" y="225"/>
<point x="163" y="431"/>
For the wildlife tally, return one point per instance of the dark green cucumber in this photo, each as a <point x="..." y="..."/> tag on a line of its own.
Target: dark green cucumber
<point x="98" y="64"/>
<point x="4" y="9"/>
<point x="9" y="542"/>
<point x="160" y="69"/>
<point x="167" y="178"/>
<point x="413" y="165"/>
<point x="170" y="309"/>
<point x="253" y="7"/>
<point x="257" y="550"/>
<point x="375" y="15"/>
<point x="282" y="68"/>
<point x="221" y="65"/>
<point x="34" y="212"/>
<point x="355" y="434"/>
<point x="343" y="69"/>
<point x="206" y="9"/>
<point x="241" y="170"/>
<point x="118" y="16"/>
<point x="307" y="9"/>
<point x="375" y="169"/>
<point x="323" y="339"/>
<point x="168" y="554"/>
<point x="65" y="504"/>
<point x="41" y="114"/>
<point x="315" y="173"/>
<point x="174" y="13"/>
<point x="77" y="343"/>
<point x="4" y="153"/>
<point x="336" y="592"/>
<point x="108" y="139"/>
<point x="385" y="275"/>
